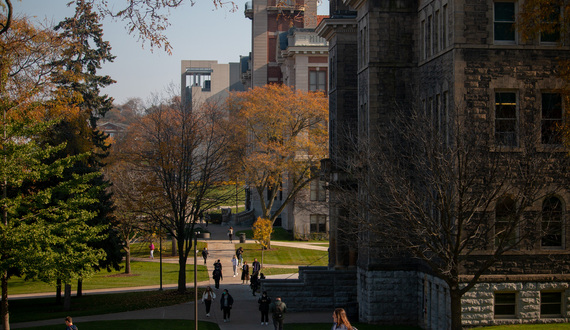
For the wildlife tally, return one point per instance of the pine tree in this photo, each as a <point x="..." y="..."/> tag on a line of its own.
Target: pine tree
<point x="77" y="79"/>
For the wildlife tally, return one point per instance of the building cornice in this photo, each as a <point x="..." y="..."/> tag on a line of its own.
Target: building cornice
<point x="331" y="26"/>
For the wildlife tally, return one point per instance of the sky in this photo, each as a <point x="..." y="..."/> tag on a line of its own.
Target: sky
<point x="199" y="32"/>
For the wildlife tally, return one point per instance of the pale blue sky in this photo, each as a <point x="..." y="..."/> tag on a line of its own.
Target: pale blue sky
<point x="199" y="32"/>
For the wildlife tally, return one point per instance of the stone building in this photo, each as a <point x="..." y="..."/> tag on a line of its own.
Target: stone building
<point x="451" y="57"/>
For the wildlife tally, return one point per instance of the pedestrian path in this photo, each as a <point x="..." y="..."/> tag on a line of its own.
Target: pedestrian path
<point x="244" y="314"/>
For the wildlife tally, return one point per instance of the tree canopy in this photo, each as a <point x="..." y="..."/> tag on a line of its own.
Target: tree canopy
<point x="280" y="138"/>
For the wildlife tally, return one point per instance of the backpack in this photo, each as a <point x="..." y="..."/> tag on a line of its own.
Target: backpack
<point x="278" y="312"/>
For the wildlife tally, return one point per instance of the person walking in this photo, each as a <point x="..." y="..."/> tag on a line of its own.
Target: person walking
<point x="278" y="310"/>
<point x="264" y="302"/>
<point x="217" y="274"/>
<point x="205" y="254"/>
<point x="235" y="265"/>
<point x="69" y="324"/>
<point x="226" y="303"/>
<point x="151" y="247"/>
<point x="207" y="299"/>
<point x="231" y="234"/>
<point x="340" y="320"/>
<point x="254" y="283"/>
<point x="256" y="266"/>
<point x="239" y="255"/>
<point x="244" y="272"/>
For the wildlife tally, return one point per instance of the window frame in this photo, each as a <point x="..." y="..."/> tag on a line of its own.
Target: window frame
<point x="317" y="188"/>
<point x="514" y="304"/>
<point x="512" y="23"/>
<point x="558" y="34"/>
<point x="507" y="223"/>
<point x="316" y="73"/>
<point x="560" y="303"/>
<point x="558" y="141"/>
<point x="498" y="120"/>
<point x="321" y="220"/>
<point x="559" y="223"/>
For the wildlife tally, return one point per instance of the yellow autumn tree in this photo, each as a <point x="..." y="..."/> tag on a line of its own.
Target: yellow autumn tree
<point x="280" y="138"/>
<point x="262" y="230"/>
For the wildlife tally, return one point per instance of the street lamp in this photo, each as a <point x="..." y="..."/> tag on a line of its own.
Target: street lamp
<point x="196" y="234"/>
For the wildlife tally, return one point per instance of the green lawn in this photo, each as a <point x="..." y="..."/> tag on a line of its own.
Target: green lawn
<point x="142" y="274"/>
<point x="557" y="326"/>
<point x="281" y="255"/>
<point x="140" y="250"/>
<point x="23" y="310"/>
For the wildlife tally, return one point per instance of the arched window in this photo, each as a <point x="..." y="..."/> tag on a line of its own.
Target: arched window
<point x="505" y="221"/>
<point x="552" y="222"/>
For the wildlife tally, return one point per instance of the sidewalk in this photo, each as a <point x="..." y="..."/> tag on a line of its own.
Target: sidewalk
<point x="244" y="314"/>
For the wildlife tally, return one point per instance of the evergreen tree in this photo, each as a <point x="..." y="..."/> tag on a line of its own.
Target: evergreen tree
<point x="76" y="76"/>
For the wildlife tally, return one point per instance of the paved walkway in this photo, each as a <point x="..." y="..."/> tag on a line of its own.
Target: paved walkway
<point x="245" y="314"/>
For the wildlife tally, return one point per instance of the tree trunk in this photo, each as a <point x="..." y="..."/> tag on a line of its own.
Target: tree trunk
<point x="174" y="246"/>
<point x="128" y="261"/>
<point x="455" y="309"/>
<point x="182" y="273"/>
<point x="5" y="312"/>
<point x="79" y="287"/>
<point x="58" y="292"/>
<point x="67" y="298"/>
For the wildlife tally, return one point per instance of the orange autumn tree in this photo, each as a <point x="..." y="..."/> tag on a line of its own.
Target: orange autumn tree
<point x="280" y="137"/>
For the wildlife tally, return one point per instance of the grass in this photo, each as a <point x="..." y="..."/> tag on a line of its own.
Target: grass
<point x="23" y="310"/>
<point x="139" y="325"/>
<point x="279" y="234"/>
<point x="281" y="255"/>
<point x="140" y="250"/>
<point x="142" y="274"/>
<point x="557" y="326"/>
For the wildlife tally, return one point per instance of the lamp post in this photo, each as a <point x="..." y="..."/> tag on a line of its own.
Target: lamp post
<point x="160" y="251"/>
<point x="196" y="234"/>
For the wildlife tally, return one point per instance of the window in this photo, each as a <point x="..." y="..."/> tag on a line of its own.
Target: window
<point x="551" y="118"/>
<point x="428" y="36"/>
<point x="550" y="304"/>
<point x="318" y="223"/>
<point x="506" y="119"/>
<point x="318" y="192"/>
<point x="436" y="33"/>
<point x="505" y="304"/>
<point x="552" y="29"/>
<point x="551" y="222"/>
<point x="317" y="80"/>
<point x="422" y="44"/>
<point x="504" y="21"/>
<point x="444" y="28"/>
<point x="505" y="222"/>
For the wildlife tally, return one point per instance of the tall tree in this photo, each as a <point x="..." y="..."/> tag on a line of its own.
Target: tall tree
<point x="183" y="157"/>
<point x="76" y="77"/>
<point x="38" y="224"/>
<point x="281" y="137"/>
<point x="449" y="199"/>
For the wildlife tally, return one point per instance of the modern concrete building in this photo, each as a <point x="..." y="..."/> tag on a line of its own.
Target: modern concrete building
<point x="208" y="80"/>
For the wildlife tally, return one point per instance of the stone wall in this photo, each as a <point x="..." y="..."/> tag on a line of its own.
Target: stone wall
<point x="478" y="304"/>
<point x="316" y="289"/>
<point x="403" y="297"/>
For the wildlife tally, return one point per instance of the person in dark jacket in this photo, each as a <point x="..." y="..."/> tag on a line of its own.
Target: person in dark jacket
<point x="264" y="302"/>
<point x="254" y="283"/>
<point x="226" y="303"/>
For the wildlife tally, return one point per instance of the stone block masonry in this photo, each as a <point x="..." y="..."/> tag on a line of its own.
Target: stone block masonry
<point x="316" y="289"/>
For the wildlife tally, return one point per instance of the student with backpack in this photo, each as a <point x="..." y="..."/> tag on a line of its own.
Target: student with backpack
<point x="217" y="274"/>
<point x="278" y="310"/>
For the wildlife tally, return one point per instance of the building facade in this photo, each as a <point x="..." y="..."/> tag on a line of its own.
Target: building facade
<point x="450" y="57"/>
<point x="286" y="50"/>
<point x="208" y="80"/>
